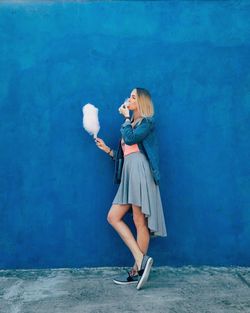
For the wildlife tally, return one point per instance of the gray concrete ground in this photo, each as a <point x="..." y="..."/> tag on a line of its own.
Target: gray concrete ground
<point x="174" y="290"/>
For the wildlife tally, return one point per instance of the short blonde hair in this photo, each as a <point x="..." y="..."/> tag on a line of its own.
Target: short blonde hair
<point x="146" y="106"/>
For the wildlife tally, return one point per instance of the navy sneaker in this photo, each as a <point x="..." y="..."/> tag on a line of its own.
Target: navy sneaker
<point x="144" y="271"/>
<point x="126" y="280"/>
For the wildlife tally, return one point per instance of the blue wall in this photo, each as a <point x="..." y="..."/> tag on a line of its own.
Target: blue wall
<point x="56" y="185"/>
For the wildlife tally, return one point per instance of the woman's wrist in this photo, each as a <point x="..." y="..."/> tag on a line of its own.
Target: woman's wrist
<point x="107" y="150"/>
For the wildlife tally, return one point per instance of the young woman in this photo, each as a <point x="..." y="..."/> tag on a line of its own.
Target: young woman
<point x="139" y="184"/>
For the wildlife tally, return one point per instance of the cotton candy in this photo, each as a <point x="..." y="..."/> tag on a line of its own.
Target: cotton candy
<point x="90" y="119"/>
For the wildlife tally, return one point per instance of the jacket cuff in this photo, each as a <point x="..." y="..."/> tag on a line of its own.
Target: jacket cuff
<point x="127" y="122"/>
<point x="114" y="154"/>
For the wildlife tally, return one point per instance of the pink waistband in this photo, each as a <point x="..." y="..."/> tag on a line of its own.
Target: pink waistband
<point x="129" y="149"/>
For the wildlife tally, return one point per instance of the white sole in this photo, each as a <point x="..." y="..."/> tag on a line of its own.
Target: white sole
<point x="125" y="283"/>
<point x="145" y="274"/>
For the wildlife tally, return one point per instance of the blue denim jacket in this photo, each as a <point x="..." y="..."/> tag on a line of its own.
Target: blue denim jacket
<point x="144" y="135"/>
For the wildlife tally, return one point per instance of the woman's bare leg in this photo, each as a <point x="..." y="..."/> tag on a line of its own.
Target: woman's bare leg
<point x="143" y="235"/>
<point x="115" y="215"/>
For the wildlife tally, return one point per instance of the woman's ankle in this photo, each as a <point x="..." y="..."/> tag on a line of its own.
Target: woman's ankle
<point x="139" y="262"/>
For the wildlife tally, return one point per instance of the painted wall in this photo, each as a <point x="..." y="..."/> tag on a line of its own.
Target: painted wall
<point x="56" y="185"/>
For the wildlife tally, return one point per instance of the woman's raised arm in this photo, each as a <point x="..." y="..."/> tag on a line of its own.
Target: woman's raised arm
<point x="136" y="135"/>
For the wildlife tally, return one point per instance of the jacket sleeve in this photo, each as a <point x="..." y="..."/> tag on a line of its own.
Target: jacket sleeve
<point x="114" y="155"/>
<point x="136" y="135"/>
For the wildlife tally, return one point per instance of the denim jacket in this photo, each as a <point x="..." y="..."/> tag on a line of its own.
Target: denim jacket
<point x="144" y="135"/>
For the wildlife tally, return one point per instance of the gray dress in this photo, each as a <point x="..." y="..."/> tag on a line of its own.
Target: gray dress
<point x="138" y="187"/>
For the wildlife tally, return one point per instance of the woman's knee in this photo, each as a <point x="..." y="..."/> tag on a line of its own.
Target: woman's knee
<point x="140" y="221"/>
<point x="111" y="217"/>
<point x="116" y="213"/>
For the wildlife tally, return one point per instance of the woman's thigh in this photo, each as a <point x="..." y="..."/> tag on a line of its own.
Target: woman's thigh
<point x="117" y="211"/>
<point x="139" y="217"/>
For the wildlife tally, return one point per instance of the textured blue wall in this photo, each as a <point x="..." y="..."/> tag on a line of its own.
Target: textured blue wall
<point x="56" y="185"/>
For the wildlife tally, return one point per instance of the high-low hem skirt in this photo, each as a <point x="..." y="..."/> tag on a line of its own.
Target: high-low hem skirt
<point x="138" y="187"/>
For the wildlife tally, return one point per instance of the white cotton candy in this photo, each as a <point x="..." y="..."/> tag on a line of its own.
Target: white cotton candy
<point x="90" y="119"/>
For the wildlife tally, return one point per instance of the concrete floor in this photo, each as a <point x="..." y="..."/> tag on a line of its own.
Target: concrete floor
<point x="173" y="290"/>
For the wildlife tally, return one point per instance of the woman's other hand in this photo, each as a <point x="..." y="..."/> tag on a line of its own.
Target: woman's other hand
<point x="124" y="110"/>
<point x="101" y="144"/>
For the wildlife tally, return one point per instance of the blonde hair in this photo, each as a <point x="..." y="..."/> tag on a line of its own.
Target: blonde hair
<point x="145" y="104"/>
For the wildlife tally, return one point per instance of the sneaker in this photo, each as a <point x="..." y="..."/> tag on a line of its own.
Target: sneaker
<point x="144" y="271"/>
<point x="126" y="280"/>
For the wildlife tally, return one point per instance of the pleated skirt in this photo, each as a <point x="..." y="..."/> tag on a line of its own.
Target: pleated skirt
<point x="139" y="188"/>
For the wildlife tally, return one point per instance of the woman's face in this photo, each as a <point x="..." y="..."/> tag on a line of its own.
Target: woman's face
<point x="133" y="105"/>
